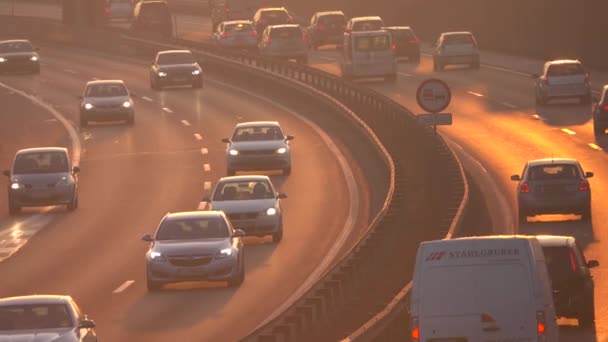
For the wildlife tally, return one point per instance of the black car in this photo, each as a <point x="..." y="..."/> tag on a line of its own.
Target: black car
<point x="265" y="17"/>
<point x="19" y="55"/>
<point x="151" y="17"/>
<point x="326" y="28"/>
<point x="573" y="287"/>
<point x="600" y="113"/>
<point x="174" y="68"/>
<point x="405" y="43"/>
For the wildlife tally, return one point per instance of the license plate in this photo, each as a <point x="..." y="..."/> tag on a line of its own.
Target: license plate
<point x="179" y="79"/>
<point x="191" y="272"/>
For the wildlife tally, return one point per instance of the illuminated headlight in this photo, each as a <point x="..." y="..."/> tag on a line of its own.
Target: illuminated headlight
<point x="226" y="252"/>
<point x="156" y="256"/>
<point x="233" y="152"/>
<point x="33" y="58"/>
<point x="162" y="74"/>
<point x="281" y="150"/>
<point x="196" y="72"/>
<point x="126" y="104"/>
<point x="62" y="182"/>
<point x="15" y="186"/>
<point x="88" y="106"/>
<point x="271" y="212"/>
<point x="2" y="59"/>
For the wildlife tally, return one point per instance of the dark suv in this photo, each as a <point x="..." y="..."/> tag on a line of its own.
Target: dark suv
<point x="265" y="17"/>
<point x="326" y="28"/>
<point x="405" y="43"/>
<point x="152" y="17"/>
<point x="573" y="288"/>
<point x="600" y="112"/>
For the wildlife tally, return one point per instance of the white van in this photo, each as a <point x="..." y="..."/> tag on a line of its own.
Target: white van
<point x="368" y="54"/>
<point x="482" y="289"/>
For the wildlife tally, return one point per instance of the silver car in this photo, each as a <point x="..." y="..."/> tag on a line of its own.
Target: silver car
<point x="562" y="79"/>
<point x="258" y="145"/>
<point x="44" y="318"/>
<point x="236" y="34"/>
<point x="175" y="68"/>
<point x="251" y="203"/>
<point x="198" y="245"/>
<point x="107" y="100"/>
<point x="285" y="42"/>
<point x="553" y="186"/>
<point x="19" y="55"/>
<point x="40" y="177"/>
<point x="456" y="48"/>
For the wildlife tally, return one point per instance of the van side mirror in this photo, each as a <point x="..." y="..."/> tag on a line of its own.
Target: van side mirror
<point x="147" y="238"/>
<point x="239" y="233"/>
<point x="588" y="174"/>
<point x="281" y="195"/>
<point x="87" y="324"/>
<point x="592" y="263"/>
<point x="226" y="140"/>
<point x="76" y="169"/>
<point x="515" y="178"/>
<point x="7" y="173"/>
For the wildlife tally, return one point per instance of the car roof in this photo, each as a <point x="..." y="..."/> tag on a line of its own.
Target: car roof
<point x="564" y="61"/>
<point x="546" y="161"/>
<point x="284" y="26"/>
<point x="258" y="124"/>
<point x="174" y="51"/>
<point x="455" y="33"/>
<point x="246" y="178"/>
<point x="374" y="17"/>
<point x="193" y="214"/>
<point x="15" y="41"/>
<point x="35" y="299"/>
<point x="42" y="150"/>
<point x="330" y="13"/>
<point x="397" y="28"/>
<point x="234" y="22"/>
<point x="265" y="9"/>
<point x="555" y="240"/>
<point x="154" y="2"/>
<point x="106" y="82"/>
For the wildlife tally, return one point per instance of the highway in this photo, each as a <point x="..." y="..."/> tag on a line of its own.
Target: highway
<point x="132" y="176"/>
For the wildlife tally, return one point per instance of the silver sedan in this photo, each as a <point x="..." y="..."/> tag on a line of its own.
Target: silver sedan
<point x="106" y="100"/>
<point x="198" y="245"/>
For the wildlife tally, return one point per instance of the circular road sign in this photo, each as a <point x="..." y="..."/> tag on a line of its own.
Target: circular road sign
<point x="433" y="95"/>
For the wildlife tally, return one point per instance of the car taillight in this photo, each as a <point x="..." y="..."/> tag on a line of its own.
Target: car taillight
<point x="572" y="261"/>
<point x="605" y="108"/>
<point x="485" y="318"/>
<point x="540" y="324"/>
<point x="227" y="9"/>
<point x="587" y="77"/>
<point x="583" y="185"/>
<point x="268" y="40"/>
<point x="226" y="35"/>
<point x="394" y="47"/>
<point x="253" y="34"/>
<point x="415" y="330"/>
<point x="544" y="79"/>
<point x="524" y="187"/>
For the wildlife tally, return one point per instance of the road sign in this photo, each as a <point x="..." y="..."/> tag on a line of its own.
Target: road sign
<point x="433" y="95"/>
<point x="435" y="119"/>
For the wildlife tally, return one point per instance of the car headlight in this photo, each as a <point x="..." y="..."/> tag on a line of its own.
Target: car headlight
<point x="282" y="150"/>
<point x="156" y="256"/>
<point x="62" y="182"/>
<point x="88" y="106"/>
<point x="15" y="186"/>
<point x="196" y="72"/>
<point x="2" y="59"/>
<point x="162" y="74"/>
<point x="271" y="212"/>
<point x="233" y="152"/>
<point x="126" y="104"/>
<point x="33" y="58"/>
<point x="226" y="252"/>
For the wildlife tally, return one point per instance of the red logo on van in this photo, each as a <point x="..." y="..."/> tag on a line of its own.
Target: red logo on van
<point x="434" y="256"/>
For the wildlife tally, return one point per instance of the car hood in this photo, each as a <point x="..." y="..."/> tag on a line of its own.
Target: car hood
<point x="18" y="54"/>
<point x="192" y="247"/>
<point x="244" y="206"/>
<point x="40" y="179"/>
<point x="258" y="145"/>
<point x="54" y="335"/>
<point x="97" y="101"/>
<point x="177" y="67"/>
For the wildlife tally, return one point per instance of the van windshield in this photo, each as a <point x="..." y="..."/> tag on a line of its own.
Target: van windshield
<point x="372" y="43"/>
<point x="476" y="289"/>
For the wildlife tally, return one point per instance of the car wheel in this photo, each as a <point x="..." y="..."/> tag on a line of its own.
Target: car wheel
<point x="586" y="318"/>
<point x="153" y="286"/>
<point x="84" y="122"/>
<point x="598" y="129"/>
<point x="523" y="216"/>
<point x="278" y="236"/>
<point x="287" y="171"/>
<point x="131" y="120"/>
<point x="13" y="209"/>
<point x="230" y="172"/>
<point x="586" y="214"/>
<point x="238" y="279"/>
<point x="74" y="204"/>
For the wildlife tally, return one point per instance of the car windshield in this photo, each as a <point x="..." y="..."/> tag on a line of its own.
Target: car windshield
<point x="372" y="43"/>
<point x="243" y="190"/>
<point x="237" y="28"/>
<point x="154" y="11"/>
<point x="275" y="15"/>
<point x="332" y="19"/>
<point x="16" y="47"/>
<point x="566" y="69"/>
<point x="257" y="133"/>
<point x="458" y="39"/>
<point x="106" y="90"/>
<point x="559" y="263"/>
<point x="403" y="35"/>
<point x="193" y="229"/>
<point x="368" y="25"/>
<point x="44" y="162"/>
<point x="175" y="58"/>
<point x="35" y="317"/>
<point x="553" y="172"/>
<point x="286" y="32"/>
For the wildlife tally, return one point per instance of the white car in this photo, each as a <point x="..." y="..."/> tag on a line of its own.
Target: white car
<point x="44" y="318"/>
<point x="455" y="48"/>
<point x="251" y="203"/>
<point x="562" y="79"/>
<point x="106" y="100"/>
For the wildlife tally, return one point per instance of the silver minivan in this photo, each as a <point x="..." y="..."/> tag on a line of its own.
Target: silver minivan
<point x="368" y="54"/>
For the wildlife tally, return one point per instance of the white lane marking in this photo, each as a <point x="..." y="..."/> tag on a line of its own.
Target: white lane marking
<point x="204" y="150"/>
<point x="185" y="123"/>
<point x="167" y="110"/>
<point x="50" y="120"/>
<point x="207" y="186"/>
<point x="147" y="98"/>
<point x="595" y="147"/>
<point x="198" y="136"/>
<point x="509" y="105"/>
<point x="353" y="208"/>
<point x="404" y="74"/>
<point x="207" y="167"/>
<point x="86" y="135"/>
<point x="474" y="93"/>
<point x="538" y="117"/>
<point x="202" y="205"/>
<point x="123" y="286"/>
<point x="70" y="71"/>
<point x="569" y="131"/>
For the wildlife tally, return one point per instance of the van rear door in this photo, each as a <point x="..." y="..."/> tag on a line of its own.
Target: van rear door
<point x="373" y="52"/>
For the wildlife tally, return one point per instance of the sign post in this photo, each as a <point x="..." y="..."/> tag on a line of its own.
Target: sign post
<point x="434" y="96"/>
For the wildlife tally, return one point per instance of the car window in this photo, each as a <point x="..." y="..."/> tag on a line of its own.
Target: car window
<point x="237" y="28"/>
<point x="243" y="190"/>
<point x="403" y="35"/>
<point x="106" y="90"/>
<point x="372" y="43"/>
<point x="275" y="15"/>
<point x="193" y="229"/>
<point x="286" y="32"/>
<point x="258" y="133"/>
<point x="553" y="172"/>
<point x="175" y="58"/>
<point x="565" y="69"/>
<point x="16" y="47"/>
<point x="559" y="263"/>
<point x="36" y="163"/>
<point x="332" y="19"/>
<point x="35" y="316"/>
<point x="458" y="39"/>
<point x="367" y="25"/>
<point x="154" y="11"/>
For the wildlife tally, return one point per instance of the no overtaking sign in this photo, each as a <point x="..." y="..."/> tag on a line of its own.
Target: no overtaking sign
<point x="433" y="95"/>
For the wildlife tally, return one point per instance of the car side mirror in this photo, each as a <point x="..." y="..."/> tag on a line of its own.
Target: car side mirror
<point x="588" y="174"/>
<point x="281" y="195"/>
<point x="289" y="137"/>
<point x="147" y="237"/>
<point x="239" y="233"/>
<point x="515" y="178"/>
<point x="226" y="140"/>
<point x="87" y="324"/>
<point x="76" y="169"/>
<point x="592" y="263"/>
<point x="7" y="173"/>
<point x="206" y="199"/>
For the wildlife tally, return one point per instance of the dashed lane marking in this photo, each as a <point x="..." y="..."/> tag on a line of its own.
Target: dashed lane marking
<point x="198" y="136"/>
<point x="474" y="93"/>
<point x="185" y="123"/>
<point x="124" y="286"/>
<point x="595" y="147"/>
<point x="147" y="98"/>
<point x="204" y="150"/>
<point x="509" y="105"/>
<point x="207" y="167"/>
<point x="207" y="186"/>
<point x="167" y="110"/>
<point x="202" y="205"/>
<point x="569" y="131"/>
<point x="404" y="74"/>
